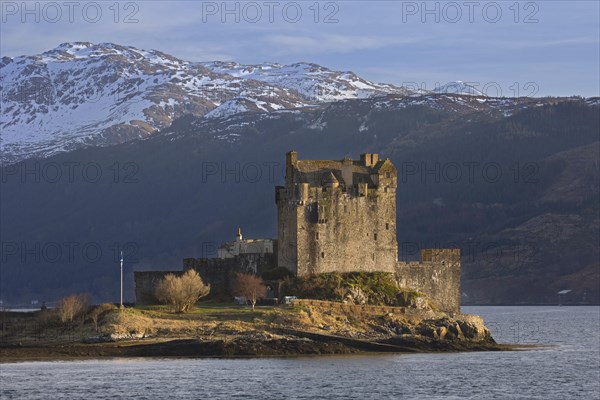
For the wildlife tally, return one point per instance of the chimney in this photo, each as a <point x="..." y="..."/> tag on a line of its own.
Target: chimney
<point x="369" y="159"/>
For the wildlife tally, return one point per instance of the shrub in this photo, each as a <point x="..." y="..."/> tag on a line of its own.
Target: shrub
<point x="407" y="297"/>
<point x="181" y="292"/>
<point x="72" y="306"/>
<point x="374" y="288"/>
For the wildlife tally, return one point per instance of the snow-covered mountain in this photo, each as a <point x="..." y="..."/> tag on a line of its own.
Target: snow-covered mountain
<point x="458" y="87"/>
<point x="311" y="81"/>
<point x="84" y="94"/>
<point x="97" y="94"/>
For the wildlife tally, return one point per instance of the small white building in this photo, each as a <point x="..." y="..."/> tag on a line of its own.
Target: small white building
<point x="244" y="246"/>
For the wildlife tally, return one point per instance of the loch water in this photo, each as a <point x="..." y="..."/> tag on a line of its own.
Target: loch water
<point x="566" y="367"/>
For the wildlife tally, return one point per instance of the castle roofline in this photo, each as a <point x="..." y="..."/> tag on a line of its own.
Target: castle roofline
<point x="382" y="165"/>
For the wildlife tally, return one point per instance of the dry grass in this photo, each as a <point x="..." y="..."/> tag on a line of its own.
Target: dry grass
<point x="199" y="322"/>
<point x="224" y="323"/>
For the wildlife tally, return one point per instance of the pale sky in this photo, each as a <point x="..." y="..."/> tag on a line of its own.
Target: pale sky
<point x="533" y="47"/>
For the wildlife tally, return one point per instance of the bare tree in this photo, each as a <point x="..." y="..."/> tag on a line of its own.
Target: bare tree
<point x="181" y="292"/>
<point x="72" y="306"/>
<point x="251" y="287"/>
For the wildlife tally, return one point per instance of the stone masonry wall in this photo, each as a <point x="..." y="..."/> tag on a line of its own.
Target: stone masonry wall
<point x="287" y="215"/>
<point x="218" y="273"/>
<point x="337" y="216"/>
<point x="145" y="283"/>
<point x="338" y="232"/>
<point x="437" y="275"/>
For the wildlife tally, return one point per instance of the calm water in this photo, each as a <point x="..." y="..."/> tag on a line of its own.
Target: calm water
<point x="568" y="368"/>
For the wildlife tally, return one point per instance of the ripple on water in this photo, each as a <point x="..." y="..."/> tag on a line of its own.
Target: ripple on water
<point x="570" y="368"/>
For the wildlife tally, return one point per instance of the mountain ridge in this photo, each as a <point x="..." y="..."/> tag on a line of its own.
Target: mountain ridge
<point x="83" y="94"/>
<point x="80" y="94"/>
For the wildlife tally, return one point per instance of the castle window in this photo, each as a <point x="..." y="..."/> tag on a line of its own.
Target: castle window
<point x="373" y="256"/>
<point x="387" y="226"/>
<point x="322" y="254"/>
<point x="374" y="236"/>
<point x="387" y="175"/>
<point x="385" y="189"/>
<point x="317" y="235"/>
<point x="345" y="208"/>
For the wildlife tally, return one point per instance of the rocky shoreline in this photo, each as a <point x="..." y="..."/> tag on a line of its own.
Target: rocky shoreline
<point x="194" y="348"/>
<point x="320" y="328"/>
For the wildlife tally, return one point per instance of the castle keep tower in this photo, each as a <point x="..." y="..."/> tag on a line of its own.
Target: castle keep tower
<point x="337" y="215"/>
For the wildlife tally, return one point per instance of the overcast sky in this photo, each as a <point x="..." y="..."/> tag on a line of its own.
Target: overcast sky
<point x="535" y="47"/>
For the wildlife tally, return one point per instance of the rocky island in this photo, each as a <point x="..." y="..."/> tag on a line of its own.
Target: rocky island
<point x="308" y="327"/>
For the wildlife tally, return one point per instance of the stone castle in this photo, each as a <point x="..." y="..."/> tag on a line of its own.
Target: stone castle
<point x="337" y="216"/>
<point x="333" y="216"/>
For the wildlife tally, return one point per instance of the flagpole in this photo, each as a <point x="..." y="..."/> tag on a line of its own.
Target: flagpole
<point x="121" y="279"/>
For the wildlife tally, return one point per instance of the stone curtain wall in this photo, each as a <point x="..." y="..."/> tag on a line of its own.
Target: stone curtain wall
<point x="145" y="283"/>
<point x="217" y="272"/>
<point x="437" y="275"/>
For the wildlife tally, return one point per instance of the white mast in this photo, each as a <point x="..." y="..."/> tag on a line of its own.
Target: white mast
<point x="121" y="279"/>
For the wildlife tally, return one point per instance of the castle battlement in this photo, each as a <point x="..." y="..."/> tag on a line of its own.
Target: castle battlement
<point x="354" y="178"/>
